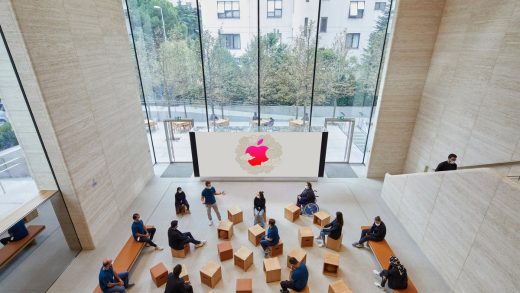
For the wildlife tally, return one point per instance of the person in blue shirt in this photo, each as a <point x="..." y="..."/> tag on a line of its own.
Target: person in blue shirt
<point x="142" y="233"/>
<point x="112" y="281"/>
<point x="208" y="198"/>
<point x="298" y="279"/>
<point x="16" y="232"/>
<point x="272" y="238"/>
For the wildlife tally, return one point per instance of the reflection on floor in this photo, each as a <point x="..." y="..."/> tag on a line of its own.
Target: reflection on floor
<point x="358" y="199"/>
<point x="17" y="192"/>
<point x="39" y="265"/>
<point x="178" y="170"/>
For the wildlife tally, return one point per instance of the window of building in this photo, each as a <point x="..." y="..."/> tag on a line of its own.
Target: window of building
<point x="380" y="6"/>
<point x="353" y="41"/>
<point x="357" y="9"/>
<point x="228" y="9"/>
<point x="274" y="8"/>
<point x="231" y="41"/>
<point x="305" y="25"/>
<point x="323" y="24"/>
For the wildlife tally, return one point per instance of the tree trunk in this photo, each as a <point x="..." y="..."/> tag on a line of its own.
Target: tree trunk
<point x="185" y="113"/>
<point x="296" y="112"/>
<point x="222" y="111"/>
<point x="334" y="109"/>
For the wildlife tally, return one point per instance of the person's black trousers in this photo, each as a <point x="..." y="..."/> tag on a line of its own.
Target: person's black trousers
<point x="151" y="231"/>
<point x="5" y="240"/>
<point x="365" y="237"/>
<point x="383" y="274"/>
<point x="287" y="285"/>
<point x="190" y="239"/>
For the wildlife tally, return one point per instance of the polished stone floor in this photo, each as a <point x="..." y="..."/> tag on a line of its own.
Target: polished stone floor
<point x="357" y="198"/>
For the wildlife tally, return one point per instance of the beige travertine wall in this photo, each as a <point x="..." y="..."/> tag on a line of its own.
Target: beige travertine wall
<point x="76" y="66"/>
<point x="471" y="99"/>
<point x="416" y="25"/>
<point x="466" y="223"/>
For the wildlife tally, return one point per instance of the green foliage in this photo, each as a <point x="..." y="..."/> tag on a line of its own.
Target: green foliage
<point x="7" y="136"/>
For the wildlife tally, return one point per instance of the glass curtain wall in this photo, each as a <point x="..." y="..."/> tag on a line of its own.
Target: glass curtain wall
<point x="304" y="79"/>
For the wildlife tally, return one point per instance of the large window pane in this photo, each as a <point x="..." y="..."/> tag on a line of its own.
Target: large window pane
<point x="170" y="70"/>
<point x="349" y="59"/>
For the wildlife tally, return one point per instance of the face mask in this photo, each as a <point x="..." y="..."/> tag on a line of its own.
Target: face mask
<point x="377" y="224"/>
<point x="452" y="162"/>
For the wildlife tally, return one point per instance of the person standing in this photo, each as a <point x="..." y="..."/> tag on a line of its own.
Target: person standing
<point x="271" y="239"/>
<point x="17" y="232"/>
<point x="180" y="201"/>
<point x="142" y="233"/>
<point x="448" y="165"/>
<point x="176" y="284"/>
<point x="298" y="279"/>
<point x="376" y="233"/>
<point x="208" y="198"/>
<point x="333" y="229"/>
<point x="112" y="281"/>
<point x="259" y="208"/>
<point x="177" y="239"/>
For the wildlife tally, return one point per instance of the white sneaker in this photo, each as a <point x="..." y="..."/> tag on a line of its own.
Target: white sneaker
<point x="321" y="244"/>
<point x="376" y="272"/>
<point x="159" y="248"/>
<point x="210" y="222"/>
<point x="378" y="285"/>
<point x="317" y="237"/>
<point x="202" y="243"/>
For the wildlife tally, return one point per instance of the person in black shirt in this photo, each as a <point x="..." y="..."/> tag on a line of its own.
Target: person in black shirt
<point x="175" y="284"/>
<point x="259" y="208"/>
<point x="177" y="239"/>
<point x="448" y="165"/>
<point x="376" y="233"/>
<point x="307" y="196"/>
<point x="333" y="229"/>
<point x="395" y="275"/>
<point x="181" y="202"/>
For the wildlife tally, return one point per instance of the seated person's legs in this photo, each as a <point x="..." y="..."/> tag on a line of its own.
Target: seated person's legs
<point x="323" y="233"/>
<point x="287" y="285"/>
<point x="5" y="240"/>
<point x="190" y="239"/>
<point x="151" y="231"/>
<point x="147" y="240"/>
<point x="118" y="289"/>
<point x="124" y="277"/>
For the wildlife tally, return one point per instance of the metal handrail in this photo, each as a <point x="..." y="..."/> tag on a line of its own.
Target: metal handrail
<point x="489" y="165"/>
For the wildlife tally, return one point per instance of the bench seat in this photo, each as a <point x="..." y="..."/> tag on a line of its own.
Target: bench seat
<point x="383" y="252"/>
<point x="126" y="258"/>
<point x="10" y="250"/>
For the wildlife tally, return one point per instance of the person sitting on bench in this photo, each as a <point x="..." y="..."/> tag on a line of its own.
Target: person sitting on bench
<point x="177" y="239"/>
<point x="180" y="201"/>
<point x="395" y="275"/>
<point x="17" y="232"/>
<point x="307" y="196"/>
<point x="298" y="279"/>
<point x="333" y="229"/>
<point x="271" y="239"/>
<point x="141" y="234"/>
<point x="376" y="233"/>
<point x="175" y="284"/>
<point x="112" y="281"/>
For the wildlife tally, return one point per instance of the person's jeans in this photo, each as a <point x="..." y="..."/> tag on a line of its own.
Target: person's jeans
<point x="5" y="240"/>
<point x="259" y="217"/>
<point x="148" y="240"/>
<point x="324" y="232"/>
<point x="190" y="239"/>
<point x="120" y="289"/>
<point x="287" y="285"/>
<point x="365" y="237"/>
<point x="266" y="243"/>
<point x="215" y="208"/>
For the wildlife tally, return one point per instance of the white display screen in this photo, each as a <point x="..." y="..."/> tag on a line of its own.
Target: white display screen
<point x="278" y="154"/>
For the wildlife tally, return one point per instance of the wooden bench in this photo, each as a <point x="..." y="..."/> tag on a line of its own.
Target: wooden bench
<point x="126" y="258"/>
<point x="383" y="252"/>
<point x="11" y="249"/>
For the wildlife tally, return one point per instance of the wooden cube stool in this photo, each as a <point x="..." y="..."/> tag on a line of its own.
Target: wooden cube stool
<point x="181" y="210"/>
<point x="184" y="273"/>
<point x="272" y="269"/>
<point x="339" y="286"/>
<point x="277" y="249"/>
<point x="292" y="212"/>
<point x="243" y="258"/>
<point x="159" y="274"/>
<point x="210" y="274"/>
<point x="299" y="254"/>
<point x="181" y="253"/>
<point x="225" y="230"/>
<point x="305" y="237"/>
<point x="235" y="215"/>
<point x="321" y="218"/>
<point x="305" y="290"/>
<point x="225" y="250"/>
<point x="244" y="286"/>
<point x="333" y="243"/>
<point x="331" y="263"/>
<point x="255" y="234"/>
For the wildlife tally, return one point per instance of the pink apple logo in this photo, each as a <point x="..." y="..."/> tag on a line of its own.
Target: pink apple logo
<point x="258" y="153"/>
